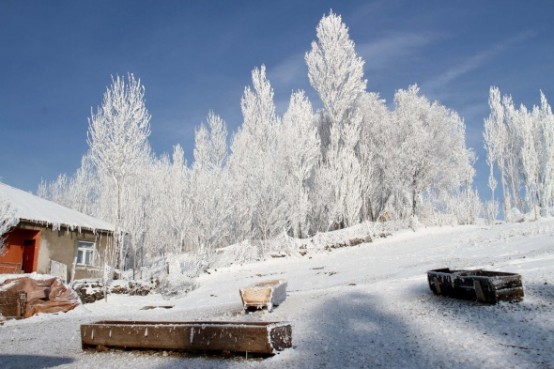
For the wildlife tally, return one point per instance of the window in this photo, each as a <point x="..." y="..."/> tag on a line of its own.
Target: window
<point x="85" y="252"/>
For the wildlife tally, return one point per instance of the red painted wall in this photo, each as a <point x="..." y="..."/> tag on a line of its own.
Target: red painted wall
<point x="21" y="242"/>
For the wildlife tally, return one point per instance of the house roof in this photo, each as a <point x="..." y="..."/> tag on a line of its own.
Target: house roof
<point x="34" y="209"/>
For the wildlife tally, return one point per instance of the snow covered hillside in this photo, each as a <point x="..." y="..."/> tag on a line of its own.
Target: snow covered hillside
<point x="367" y="306"/>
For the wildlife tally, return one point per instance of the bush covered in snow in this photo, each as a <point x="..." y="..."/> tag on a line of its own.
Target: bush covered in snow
<point x="91" y="290"/>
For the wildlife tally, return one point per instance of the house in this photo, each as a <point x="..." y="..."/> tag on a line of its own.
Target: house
<point x="52" y="239"/>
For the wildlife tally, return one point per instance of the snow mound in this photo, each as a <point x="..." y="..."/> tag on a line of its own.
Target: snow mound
<point x="285" y="246"/>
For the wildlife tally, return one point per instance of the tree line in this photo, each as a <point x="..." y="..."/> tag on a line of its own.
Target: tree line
<point x="354" y="160"/>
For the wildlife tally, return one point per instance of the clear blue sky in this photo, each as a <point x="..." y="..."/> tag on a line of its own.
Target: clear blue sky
<point x="56" y="59"/>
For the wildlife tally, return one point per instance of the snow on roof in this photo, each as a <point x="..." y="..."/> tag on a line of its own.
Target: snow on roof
<point x="29" y="207"/>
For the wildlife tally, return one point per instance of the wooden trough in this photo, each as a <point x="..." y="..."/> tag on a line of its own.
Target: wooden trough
<point x="265" y="338"/>
<point x="482" y="285"/>
<point x="264" y="294"/>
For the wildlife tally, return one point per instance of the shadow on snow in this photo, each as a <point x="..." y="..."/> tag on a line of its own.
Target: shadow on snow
<point x="357" y="330"/>
<point x="521" y="330"/>
<point x="32" y="361"/>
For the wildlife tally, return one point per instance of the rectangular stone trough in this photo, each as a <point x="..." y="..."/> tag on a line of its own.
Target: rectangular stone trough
<point x="481" y="285"/>
<point x="264" y="338"/>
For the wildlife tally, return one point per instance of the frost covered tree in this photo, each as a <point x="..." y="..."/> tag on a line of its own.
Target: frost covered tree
<point x="494" y="138"/>
<point x="376" y="161"/>
<point x="56" y="191"/>
<point x="253" y="148"/>
<point x="511" y="162"/>
<point x="80" y="191"/>
<point x="544" y="138"/>
<point x="336" y="73"/>
<point x="177" y="199"/>
<point x="210" y="147"/>
<point x="118" y="140"/>
<point x="8" y="220"/>
<point x="85" y="187"/>
<point x="211" y="204"/>
<point x="501" y="144"/>
<point x="431" y="148"/>
<point x="375" y="152"/>
<point x="529" y="156"/>
<point x="137" y="195"/>
<point x="298" y="154"/>
<point x="520" y="148"/>
<point x="536" y="130"/>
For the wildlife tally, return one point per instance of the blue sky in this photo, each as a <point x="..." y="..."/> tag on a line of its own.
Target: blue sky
<point x="57" y="58"/>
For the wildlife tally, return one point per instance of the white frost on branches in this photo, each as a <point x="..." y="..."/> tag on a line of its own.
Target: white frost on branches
<point x="298" y="155"/>
<point x="520" y="151"/>
<point x="7" y="221"/>
<point x="431" y="148"/>
<point x="334" y="69"/>
<point x="251" y="164"/>
<point x="336" y="73"/>
<point x="118" y="140"/>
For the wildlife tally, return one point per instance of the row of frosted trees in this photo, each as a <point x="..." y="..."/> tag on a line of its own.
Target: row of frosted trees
<point x="304" y="172"/>
<point x="520" y="153"/>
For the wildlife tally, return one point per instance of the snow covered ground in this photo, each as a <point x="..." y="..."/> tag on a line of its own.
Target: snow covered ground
<point x="367" y="306"/>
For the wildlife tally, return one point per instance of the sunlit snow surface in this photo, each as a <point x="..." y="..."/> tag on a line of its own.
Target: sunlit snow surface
<point x="366" y="306"/>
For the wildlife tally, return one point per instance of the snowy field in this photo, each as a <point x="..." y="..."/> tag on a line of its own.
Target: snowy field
<point x="367" y="306"/>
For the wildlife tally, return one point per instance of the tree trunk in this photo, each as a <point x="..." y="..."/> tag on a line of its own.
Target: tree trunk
<point x="119" y="238"/>
<point x="414" y="195"/>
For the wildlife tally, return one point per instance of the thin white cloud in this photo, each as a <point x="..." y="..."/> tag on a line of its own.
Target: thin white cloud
<point x="289" y="70"/>
<point x="289" y="75"/>
<point x="475" y="61"/>
<point x="292" y="71"/>
<point x="381" y="53"/>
